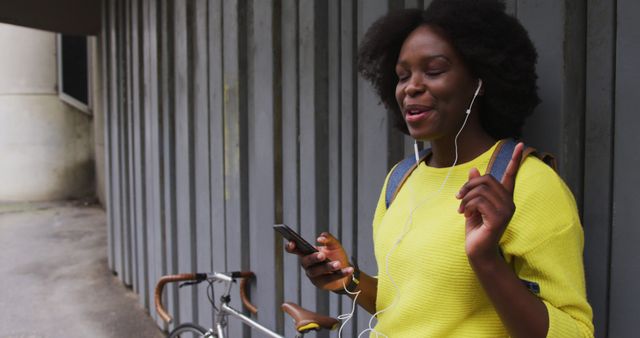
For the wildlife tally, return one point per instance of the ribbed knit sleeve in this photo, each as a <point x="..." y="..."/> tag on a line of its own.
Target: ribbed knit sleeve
<point x="545" y="240"/>
<point x="556" y="265"/>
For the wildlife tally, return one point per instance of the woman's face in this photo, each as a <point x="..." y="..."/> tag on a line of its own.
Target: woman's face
<point x="434" y="86"/>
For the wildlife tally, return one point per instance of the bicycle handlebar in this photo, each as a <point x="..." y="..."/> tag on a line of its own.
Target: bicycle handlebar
<point x="243" y="291"/>
<point x="199" y="277"/>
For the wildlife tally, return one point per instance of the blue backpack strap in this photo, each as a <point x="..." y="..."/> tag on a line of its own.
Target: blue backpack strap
<point x="501" y="157"/>
<point x="400" y="173"/>
<point x="497" y="165"/>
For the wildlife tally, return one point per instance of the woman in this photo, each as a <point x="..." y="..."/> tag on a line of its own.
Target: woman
<point x="459" y="253"/>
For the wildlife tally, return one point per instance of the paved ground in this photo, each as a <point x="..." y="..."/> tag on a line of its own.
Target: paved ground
<point x="55" y="281"/>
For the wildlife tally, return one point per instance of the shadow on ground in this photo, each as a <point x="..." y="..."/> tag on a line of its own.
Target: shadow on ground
<point x="56" y="282"/>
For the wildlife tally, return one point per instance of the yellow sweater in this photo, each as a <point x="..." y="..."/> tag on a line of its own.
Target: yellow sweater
<point x="436" y="293"/>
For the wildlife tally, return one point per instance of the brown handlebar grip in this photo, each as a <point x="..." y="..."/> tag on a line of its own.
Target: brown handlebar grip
<point x="243" y="289"/>
<point x="160" y="286"/>
<point x="242" y="274"/>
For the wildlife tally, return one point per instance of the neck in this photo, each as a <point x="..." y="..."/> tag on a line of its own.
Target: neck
<point x="472" y="143"/>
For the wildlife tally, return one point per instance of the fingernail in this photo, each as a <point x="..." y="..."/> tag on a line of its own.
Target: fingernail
<point x="458" y="195"/>
<point x="335" y="265"/>
<point x="347" y="270"/>
<point x="320" y="257"/>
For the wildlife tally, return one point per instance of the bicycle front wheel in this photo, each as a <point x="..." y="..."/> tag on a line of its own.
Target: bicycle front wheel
<point x="188" y="330"/>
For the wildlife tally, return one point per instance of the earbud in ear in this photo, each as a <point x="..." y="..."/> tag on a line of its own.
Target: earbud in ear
<point x="474" y="96"/>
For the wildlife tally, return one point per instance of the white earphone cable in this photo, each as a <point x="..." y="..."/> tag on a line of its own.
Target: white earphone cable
<point x="407" y="228"/>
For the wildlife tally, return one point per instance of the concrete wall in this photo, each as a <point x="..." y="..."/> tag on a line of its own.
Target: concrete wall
<point x="95" y="62"/>
<point x="45" y="145"/>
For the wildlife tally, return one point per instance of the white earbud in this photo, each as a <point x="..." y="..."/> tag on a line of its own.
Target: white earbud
<point x="474" y="96"/>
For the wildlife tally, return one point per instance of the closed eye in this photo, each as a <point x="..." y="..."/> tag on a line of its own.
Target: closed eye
<point x="402" y="77"/>
<point x="435" y="73"/>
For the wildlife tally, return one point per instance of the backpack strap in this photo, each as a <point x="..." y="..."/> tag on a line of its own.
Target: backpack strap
<point x="502" y="155"/>
<point x="500" y="158"/>
<point x="496" y="167"/>
<point x="400" y="173"/>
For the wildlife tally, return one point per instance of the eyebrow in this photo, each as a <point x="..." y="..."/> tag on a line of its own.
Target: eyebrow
<point x="429" y="58"/>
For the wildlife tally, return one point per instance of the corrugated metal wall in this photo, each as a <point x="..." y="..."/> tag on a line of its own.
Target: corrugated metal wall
<point x="225" y="117"/>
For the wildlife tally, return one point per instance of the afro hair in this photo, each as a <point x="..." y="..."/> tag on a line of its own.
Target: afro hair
<point x="494" y="45"/>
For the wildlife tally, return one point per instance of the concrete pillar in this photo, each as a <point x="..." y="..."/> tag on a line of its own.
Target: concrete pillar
<point x="46" y="150"/>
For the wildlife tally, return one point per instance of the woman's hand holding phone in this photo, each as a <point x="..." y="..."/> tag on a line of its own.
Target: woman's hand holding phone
<point x="327" y="269"/>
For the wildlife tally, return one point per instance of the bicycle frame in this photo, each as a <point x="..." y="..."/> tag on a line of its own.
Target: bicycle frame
<point x="305" y="320"/>
<point x="225" y="310"/>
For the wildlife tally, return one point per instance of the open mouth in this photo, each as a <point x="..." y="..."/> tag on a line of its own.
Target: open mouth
<point x="415" y="114"/>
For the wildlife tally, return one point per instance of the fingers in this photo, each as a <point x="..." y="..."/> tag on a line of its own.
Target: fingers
<point x="290" y="247"/>
<point x="509" y="178"/>
<point x="329" y="278"/>
<point x="484" y="195"/>
<point x="327" y="268"/>
<point x="313" y="259"/>
<point x="490" y="191"/>
<point x="486" y="183"/>
<point x="474" y="173"/>
<point x="327" y="240"/>
<point x="479" y="205"/>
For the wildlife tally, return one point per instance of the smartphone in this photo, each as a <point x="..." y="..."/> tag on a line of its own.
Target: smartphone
<point x="301" y="244"/>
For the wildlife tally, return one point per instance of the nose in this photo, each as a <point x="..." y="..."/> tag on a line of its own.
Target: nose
<point x="415" y="86"/>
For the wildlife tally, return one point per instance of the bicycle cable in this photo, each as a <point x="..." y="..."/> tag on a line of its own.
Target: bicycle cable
<point x="211" y="294"/>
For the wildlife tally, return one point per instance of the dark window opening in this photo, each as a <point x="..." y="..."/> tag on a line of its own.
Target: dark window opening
<point x="74" y="79"/>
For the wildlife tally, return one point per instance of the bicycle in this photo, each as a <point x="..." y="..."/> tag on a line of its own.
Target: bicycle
<point x="305" y="320"/>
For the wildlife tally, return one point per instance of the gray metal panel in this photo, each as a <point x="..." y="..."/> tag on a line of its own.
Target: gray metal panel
<point x="168" y="153"/>
<point x="557" y="124"/>
<point x="543" y="129"/>
<point x="261" y="132"/>
<point x="512" y="6"/>
<point x="121" y="132"/>
<point x="129" y="154"/>
<point x="117" y="132"/>
<point x="141" y="262"/>
<point x="198" y="59"/>
<point x="184" y="155"/>
<point x="599" y="157"/>
<point x="573" y="105"/>
<point x="216" y="143"/>
<point x="334" y="139"/>
<point x="131" y="146"/>
<point x="152" y="149"/>
<point x="106" y="38"/>
<point x="290" y="147"/>
<point x="235" y="143"/>
<point x="313" y="134"/>
<point x="349" y="139"/>
<point x="625" y="295"/>
<point x="373" y="155"/>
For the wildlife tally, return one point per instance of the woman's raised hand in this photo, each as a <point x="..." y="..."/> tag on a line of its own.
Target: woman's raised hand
<point x="488" y="207"/>
<point x="328" y="268"/>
